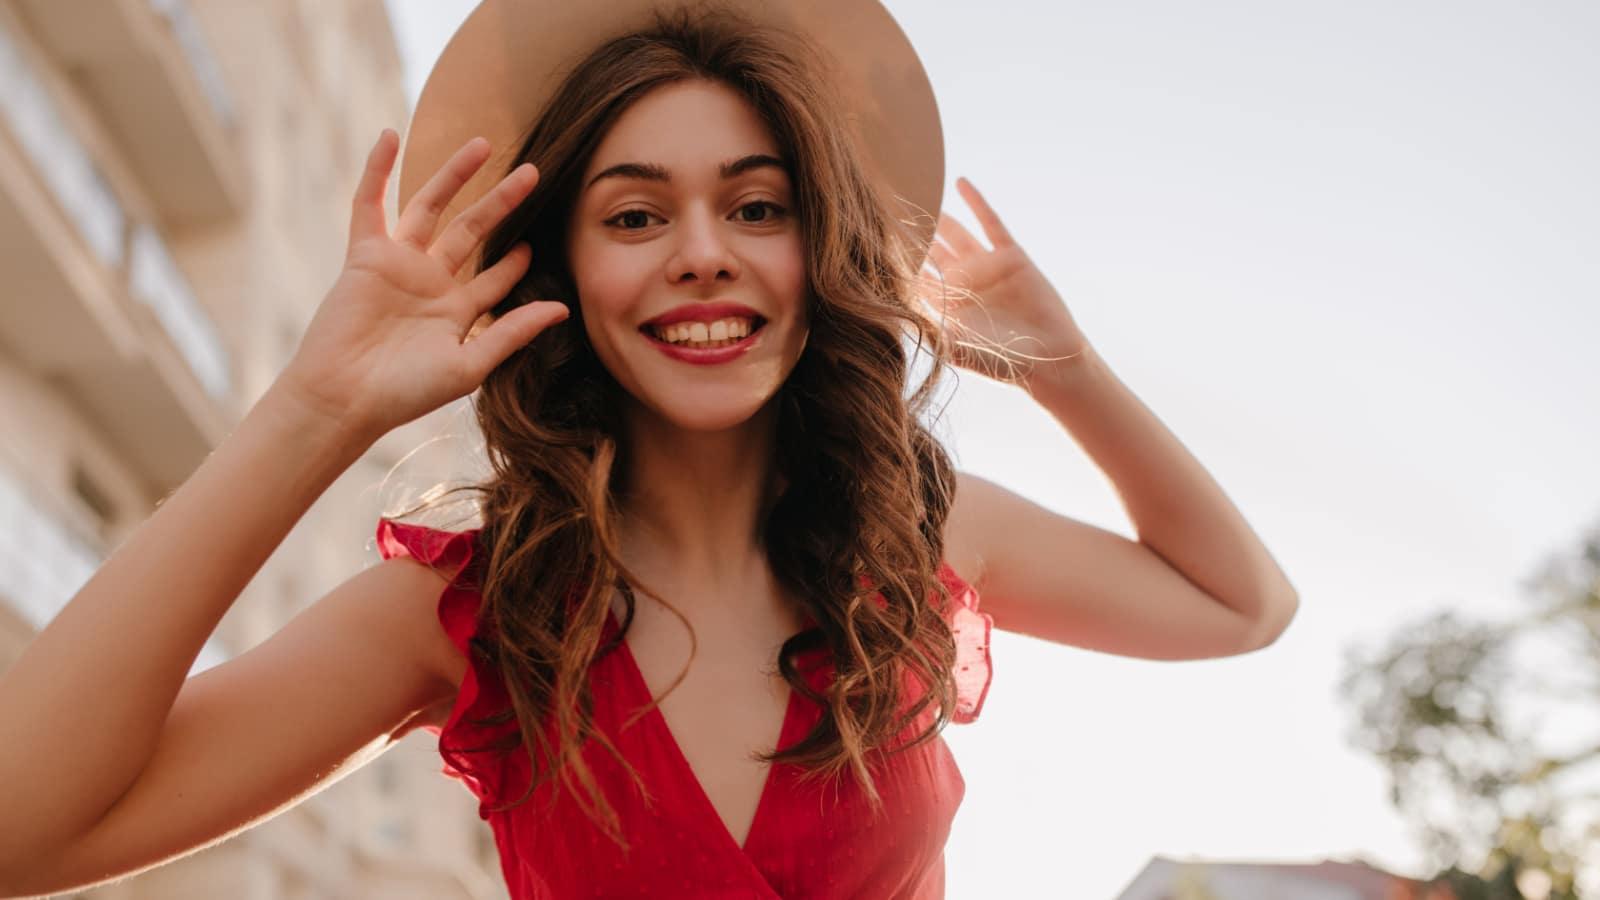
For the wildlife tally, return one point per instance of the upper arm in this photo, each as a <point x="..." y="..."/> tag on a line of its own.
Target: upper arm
<point x="1050" y="576"/>
<point x="247" y="739"/>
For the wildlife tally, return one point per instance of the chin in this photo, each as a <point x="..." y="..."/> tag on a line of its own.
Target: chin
<point x="709" y="417"/>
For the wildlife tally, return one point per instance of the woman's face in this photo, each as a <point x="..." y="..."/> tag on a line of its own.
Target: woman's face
<point x="685" y="216"/>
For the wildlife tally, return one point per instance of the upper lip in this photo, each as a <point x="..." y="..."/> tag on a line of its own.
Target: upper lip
<point x="704" y="312"/>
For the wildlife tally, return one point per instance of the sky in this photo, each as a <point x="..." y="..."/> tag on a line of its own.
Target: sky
<point x="1347" y="253"/>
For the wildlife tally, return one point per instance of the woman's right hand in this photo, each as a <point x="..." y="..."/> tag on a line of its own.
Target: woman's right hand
<point x="386" y="345"/>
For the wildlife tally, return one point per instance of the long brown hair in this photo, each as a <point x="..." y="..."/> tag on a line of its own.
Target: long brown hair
<point x="857" y="532"/>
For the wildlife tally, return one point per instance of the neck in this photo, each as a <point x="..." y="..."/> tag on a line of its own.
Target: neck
<point x="694" y="501"/>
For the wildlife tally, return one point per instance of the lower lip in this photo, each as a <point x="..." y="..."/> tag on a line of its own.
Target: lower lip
<point x="708" y="356"/>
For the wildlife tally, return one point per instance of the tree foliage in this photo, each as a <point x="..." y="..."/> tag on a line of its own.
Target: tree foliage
<point x="1490" y="733"/>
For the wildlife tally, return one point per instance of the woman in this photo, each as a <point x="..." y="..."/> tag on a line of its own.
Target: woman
<point x="692" y="540"/>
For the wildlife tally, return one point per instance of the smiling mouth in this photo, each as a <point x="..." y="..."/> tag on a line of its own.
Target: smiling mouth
<point x="704" y="335"/>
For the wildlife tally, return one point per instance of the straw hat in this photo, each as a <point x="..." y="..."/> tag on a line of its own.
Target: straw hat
<point x="507" y="58"/>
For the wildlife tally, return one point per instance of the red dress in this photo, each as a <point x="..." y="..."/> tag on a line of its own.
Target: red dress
<point x="807" y="841"/>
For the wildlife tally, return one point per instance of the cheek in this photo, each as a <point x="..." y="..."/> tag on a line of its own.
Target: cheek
<point x="787" y="270"/>
<point x="607" y="282"/>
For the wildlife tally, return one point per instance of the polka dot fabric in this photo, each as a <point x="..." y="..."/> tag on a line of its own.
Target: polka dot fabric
<point x="807" y="841"/>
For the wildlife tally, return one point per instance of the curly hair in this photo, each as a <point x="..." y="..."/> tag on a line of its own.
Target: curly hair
<point x="857" y="531"/>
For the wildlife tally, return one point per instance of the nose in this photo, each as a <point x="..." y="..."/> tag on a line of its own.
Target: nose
<point x="703" y="253"/>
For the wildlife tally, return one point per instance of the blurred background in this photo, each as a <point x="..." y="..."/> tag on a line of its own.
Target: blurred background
<point x="1349" y="253"/>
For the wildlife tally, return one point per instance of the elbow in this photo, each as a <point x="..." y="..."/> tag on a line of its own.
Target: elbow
<point x="1274" y="621"/>
<point x="10" y="881"/>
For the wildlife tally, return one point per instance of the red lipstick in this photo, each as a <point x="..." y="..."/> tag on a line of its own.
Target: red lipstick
<point x="709" y="355"/>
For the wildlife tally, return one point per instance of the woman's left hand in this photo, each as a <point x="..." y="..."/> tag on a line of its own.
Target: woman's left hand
<point x="1006" y="320"/>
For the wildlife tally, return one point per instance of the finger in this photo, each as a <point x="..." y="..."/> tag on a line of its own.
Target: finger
<point x="420" y="218"/>
<point x="992" y="227"/>
<point x="959" y="237"/>
<point x="493" y="284"/>
<point x="511" y="333"/>
<point x="366" y="215"/>
<point x="464" y="235"/>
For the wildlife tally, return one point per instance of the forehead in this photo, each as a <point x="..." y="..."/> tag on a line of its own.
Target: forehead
<point x="687" y="127"/>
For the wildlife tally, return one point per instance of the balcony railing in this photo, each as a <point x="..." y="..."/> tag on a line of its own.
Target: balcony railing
<point x="159" y="390"/>
<point x="60" y="161"/>
<point x="154" y="279"/>
<point x="197" y="50"/>
<point x="147" y="72"/>
<point x="71" y="176"/>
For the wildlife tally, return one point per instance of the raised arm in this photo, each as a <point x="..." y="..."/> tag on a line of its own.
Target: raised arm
<point x="86" y="707"/>
<point x="1197" y="583"/>
<point x="258" y="734"/>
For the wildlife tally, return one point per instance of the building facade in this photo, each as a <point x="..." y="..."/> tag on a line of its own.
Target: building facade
<point x="175" y="186"/>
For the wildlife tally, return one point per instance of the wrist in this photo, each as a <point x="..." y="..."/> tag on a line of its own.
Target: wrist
<point x="1049" y="379"/>
<point x="326" y="432"/>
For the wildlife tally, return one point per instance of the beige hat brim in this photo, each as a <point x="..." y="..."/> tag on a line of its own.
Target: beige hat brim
<point x="507" y="58"/>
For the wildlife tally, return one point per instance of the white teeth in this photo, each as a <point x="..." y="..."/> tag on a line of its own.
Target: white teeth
<point x="697" y="333"/>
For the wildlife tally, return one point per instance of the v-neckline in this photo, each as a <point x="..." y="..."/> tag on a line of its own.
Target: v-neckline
<point x="681" y="762"/>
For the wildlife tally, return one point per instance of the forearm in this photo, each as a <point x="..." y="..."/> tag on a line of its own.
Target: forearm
<point x="1178" y="510"/>
<point x="82" y="708"/>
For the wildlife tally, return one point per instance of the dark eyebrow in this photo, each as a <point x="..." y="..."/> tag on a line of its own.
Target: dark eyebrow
<point x="653" y="172"/>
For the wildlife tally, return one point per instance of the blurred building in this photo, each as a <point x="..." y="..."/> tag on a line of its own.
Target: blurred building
<point x="1167" y="879"/>
<point x="175" y="185"/>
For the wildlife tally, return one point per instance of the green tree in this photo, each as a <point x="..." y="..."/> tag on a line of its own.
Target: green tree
<point x="1490" y="732"/>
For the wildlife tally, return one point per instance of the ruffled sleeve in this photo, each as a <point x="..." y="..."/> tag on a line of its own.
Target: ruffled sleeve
<point x="972" y="630"/>
<point x="482" y="693"/>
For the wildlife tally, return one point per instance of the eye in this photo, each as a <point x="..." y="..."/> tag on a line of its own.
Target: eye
<point x="774" y="211"/>
<point x="616" y="221"/>
<point x="636" y="219"/>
